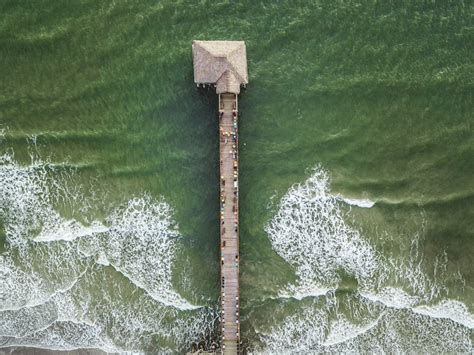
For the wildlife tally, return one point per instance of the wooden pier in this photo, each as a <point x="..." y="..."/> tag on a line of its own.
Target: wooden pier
<point x="223" y="65"/>
<point x="229" y="217"/>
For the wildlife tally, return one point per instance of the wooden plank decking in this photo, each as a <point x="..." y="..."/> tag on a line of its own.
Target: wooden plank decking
<point x="229" y="219"/>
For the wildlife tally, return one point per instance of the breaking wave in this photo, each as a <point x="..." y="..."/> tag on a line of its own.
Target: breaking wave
<point x="326" y="325"/>
<point x="391" y="305"/>
<point x="309" y="232"/>
<point x="362" y="203"/>
<point x="63" y="282"/>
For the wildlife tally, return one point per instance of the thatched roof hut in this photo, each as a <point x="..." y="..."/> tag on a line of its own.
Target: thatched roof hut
<point x="223" y="63"/>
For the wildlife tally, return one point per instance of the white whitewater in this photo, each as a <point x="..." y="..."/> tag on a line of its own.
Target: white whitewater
<point x="310" y="232"/>
<point x="54" y="270"/>
<point x="362" y="202"/>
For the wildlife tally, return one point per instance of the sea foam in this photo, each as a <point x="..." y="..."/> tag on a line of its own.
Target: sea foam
<point x="362" y="203"/>
<point x="58" y="289"/>
<point x="310" y="232"/>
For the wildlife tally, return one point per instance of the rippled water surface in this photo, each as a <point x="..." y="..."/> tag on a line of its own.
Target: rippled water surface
<point x="357" y="175"/>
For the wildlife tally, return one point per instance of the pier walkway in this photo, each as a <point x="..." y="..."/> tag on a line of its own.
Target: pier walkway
<point x="229" y="210"/>
<point x="223" y="65"/>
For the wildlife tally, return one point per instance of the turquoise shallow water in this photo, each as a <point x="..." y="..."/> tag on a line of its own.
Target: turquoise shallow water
<point x="356" y="175"/>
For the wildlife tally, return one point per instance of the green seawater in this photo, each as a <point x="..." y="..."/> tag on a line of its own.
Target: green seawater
<point x="356" y="188"/>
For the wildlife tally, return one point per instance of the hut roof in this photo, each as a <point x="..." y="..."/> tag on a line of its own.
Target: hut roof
<point x="220" y="62"/>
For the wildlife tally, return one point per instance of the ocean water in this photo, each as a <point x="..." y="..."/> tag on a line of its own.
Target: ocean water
<point x="357" y="175"/>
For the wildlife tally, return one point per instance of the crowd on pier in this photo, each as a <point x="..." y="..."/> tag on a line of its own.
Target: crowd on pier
<point x="229" y="229"/>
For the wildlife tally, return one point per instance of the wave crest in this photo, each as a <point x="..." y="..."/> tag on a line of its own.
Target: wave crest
<point x="58" y="287"/>
<point x="309" y="231"/>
